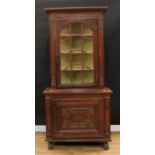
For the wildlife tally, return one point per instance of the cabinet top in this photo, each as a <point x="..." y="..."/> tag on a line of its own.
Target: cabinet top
<point x="76" y="9"/>
<point x="104" y="90"/>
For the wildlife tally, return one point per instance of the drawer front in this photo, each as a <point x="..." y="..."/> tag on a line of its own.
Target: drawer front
<point x="78" y="118"/>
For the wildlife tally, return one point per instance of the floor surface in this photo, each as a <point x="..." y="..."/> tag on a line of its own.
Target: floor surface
<point x="95" y="149"/>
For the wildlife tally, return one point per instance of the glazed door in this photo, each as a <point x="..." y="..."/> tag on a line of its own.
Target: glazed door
<point x="75" y="118"/>
<point x="77" y="54"/>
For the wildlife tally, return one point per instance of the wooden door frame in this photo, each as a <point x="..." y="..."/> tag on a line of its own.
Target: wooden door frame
<point x="93" y="27"/>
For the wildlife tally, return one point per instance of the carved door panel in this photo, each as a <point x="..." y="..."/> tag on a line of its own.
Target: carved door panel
<point x="78" y="118"/>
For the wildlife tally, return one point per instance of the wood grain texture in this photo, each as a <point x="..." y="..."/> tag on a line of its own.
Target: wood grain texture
<point x="66" y="149"/>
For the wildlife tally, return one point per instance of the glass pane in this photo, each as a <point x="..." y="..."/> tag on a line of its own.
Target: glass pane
<point x="76" y="55"/>
<point x="88" y="45"/>
<point x="89" y="78"/>
<point x="65" y="77"/>
<point x="65" y="61"/>
<point x="76" y="28"/>
<point x="88" y="61"/>
<point x="76" y="43"/>
<point x="76" y="78"/>
<point x="65" y="30"/>
<point x="77" y="61"/>
<point x="87" y="30"/>
<point x="65" y="45"/>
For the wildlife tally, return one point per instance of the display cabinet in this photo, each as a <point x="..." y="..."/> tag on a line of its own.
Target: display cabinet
<point x="77" y="102"/>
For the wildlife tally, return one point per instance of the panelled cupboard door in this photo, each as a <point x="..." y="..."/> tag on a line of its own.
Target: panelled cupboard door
<point x="75" y="118"/>
<point x="76" y="55"/>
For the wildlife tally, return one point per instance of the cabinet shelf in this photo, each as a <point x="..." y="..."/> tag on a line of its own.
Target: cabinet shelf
<point x="77" y="70"/>
<point x="76" y="52"/>
<point x="76" y="35"/>
<point x="76" y="67"/>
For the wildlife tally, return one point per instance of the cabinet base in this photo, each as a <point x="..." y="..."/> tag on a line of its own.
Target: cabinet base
<point x="51" y="144"/>
<point x="105" y="146"/>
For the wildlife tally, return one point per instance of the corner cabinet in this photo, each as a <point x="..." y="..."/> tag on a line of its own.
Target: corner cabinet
<point x="77" y="102"/>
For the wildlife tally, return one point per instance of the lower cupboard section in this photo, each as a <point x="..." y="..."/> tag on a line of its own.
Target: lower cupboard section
<point x="75" y="118"/>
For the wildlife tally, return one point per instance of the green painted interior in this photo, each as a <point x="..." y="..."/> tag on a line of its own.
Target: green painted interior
<point x="76" y="54"/>
<point x="87" y="77"/>
<point x="88" y="61"/>
<point x="65" y="78"/>
<point x="65" y="61"/>
<point x="65" y="30"/>
<point x="88" y="45"/>
<point x="76" y="60"/>
<point x="64" y="45"/>
<point x="76" y="43"/>
<point x="87" y="30"/>
<point x="75" y="28"/>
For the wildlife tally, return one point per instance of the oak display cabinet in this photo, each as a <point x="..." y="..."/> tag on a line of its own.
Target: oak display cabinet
<point x="77" y="102"/>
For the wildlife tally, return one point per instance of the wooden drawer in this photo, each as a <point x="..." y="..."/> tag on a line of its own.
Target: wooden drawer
<point x="77" y="117"/>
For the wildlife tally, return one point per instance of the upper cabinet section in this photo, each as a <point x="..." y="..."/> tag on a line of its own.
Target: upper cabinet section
<point x="76" y="46"/>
